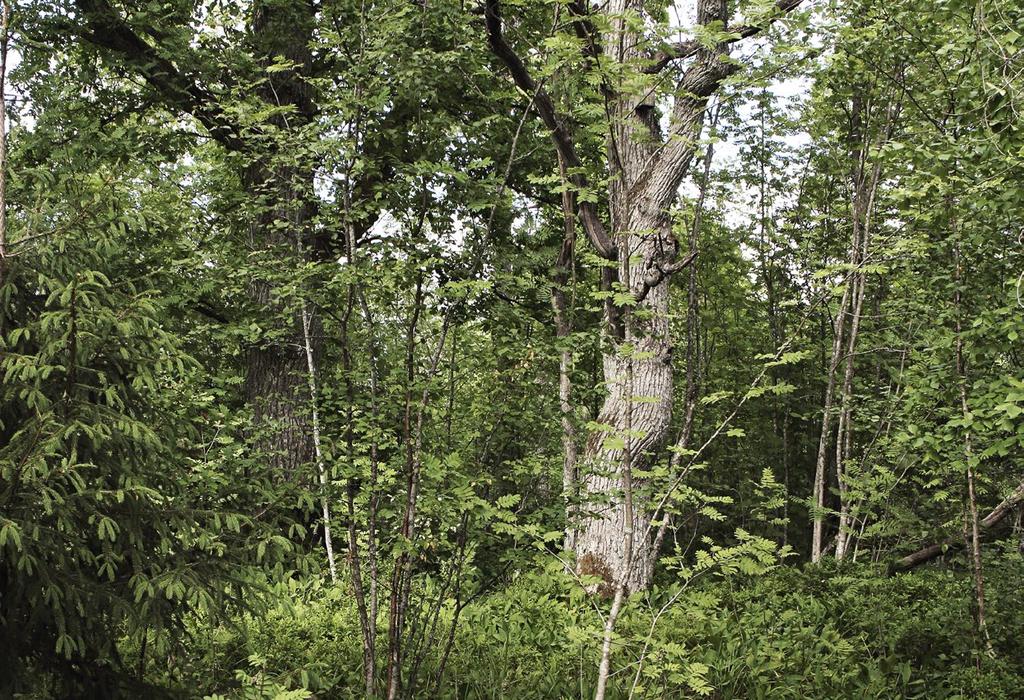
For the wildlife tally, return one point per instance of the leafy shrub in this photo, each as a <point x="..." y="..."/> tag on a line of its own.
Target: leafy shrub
<point x="821" y="632"/>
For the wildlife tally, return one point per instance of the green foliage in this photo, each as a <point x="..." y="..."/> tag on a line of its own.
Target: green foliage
<point x="838" y="633"/>
<point x="106" y="516"/>
<point x="350" y="206"/>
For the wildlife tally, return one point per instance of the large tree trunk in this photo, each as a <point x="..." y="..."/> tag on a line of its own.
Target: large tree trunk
<point x="646" y="169"/>
<point x="638" y="409"/>
<point x="276" y="384"/>
<point x="280" y="189"/>
<point x="646" y="172"/>
<point x="277" y="181"/>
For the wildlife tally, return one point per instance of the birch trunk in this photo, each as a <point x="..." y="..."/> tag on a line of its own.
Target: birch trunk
<point x="865" y="187"/>
<point x="844" y="433"/>
<point x="320" y="468"/>
<point x="851" y="301"/>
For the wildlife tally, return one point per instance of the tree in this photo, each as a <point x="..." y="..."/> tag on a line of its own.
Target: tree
<point x="116" y="516"/>
<point x="644" y="169"/>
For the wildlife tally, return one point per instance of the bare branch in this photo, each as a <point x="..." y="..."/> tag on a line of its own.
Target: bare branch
<point x="933" y="551"/>
<point x="690" y="48"/>
<point x="662" y="271"/>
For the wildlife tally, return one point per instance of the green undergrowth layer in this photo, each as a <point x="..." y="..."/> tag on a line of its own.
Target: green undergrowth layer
<point x="818" y="632"/>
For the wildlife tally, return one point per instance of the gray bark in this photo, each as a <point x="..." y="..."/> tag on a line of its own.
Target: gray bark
<point x="646" y="169"/>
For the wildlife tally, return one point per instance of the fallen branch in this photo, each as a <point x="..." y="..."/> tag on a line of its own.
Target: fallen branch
<point x="933" y="551"/>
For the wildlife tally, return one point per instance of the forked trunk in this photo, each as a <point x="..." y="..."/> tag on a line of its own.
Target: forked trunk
<point x="646" y="168"/>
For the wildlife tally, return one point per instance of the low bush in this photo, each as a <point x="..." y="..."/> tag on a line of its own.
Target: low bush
<point x="819" y="632"/>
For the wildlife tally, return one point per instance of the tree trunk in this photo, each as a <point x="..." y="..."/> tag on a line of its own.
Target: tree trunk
<point x="646" y="173"/>
<point x="642" y="417"/>
<point x="933" y="551"/>
<point x="844" y="431"/>
<point x="276" y="177"/>
<point x="280" y="188"/>
<point x="972" y="525"/>
<point x="276" y="390"/>
<point x="646" y="168"/>
<point x="563" y="327"/>
<point x="321" y="470"/>
<point x="851" y="304"/>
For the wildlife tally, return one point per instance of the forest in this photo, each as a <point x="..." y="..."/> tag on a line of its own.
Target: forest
<point x="519" y="349"/>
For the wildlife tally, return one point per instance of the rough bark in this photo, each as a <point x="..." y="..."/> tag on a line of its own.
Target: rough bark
<point x="694" y="358"/>
<point x="646" y="169"/>
<point x="275" y="389"/>
<point x="281" y="188"/>
<point x="276" y="184"/>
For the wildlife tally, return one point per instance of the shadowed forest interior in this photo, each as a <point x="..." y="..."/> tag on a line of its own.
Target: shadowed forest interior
<point x="511" y="349"/>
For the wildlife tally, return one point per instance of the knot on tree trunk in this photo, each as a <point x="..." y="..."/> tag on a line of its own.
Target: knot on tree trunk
<point x="592" y="565"/>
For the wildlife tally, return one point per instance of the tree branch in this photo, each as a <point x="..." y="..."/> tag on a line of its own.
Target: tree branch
<point x="560" y="135"/>
<point x="688" y="49"/>
<point x="106" y="28"/>
<point x="932" y="551"/>
<point x="660" y="272"/>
